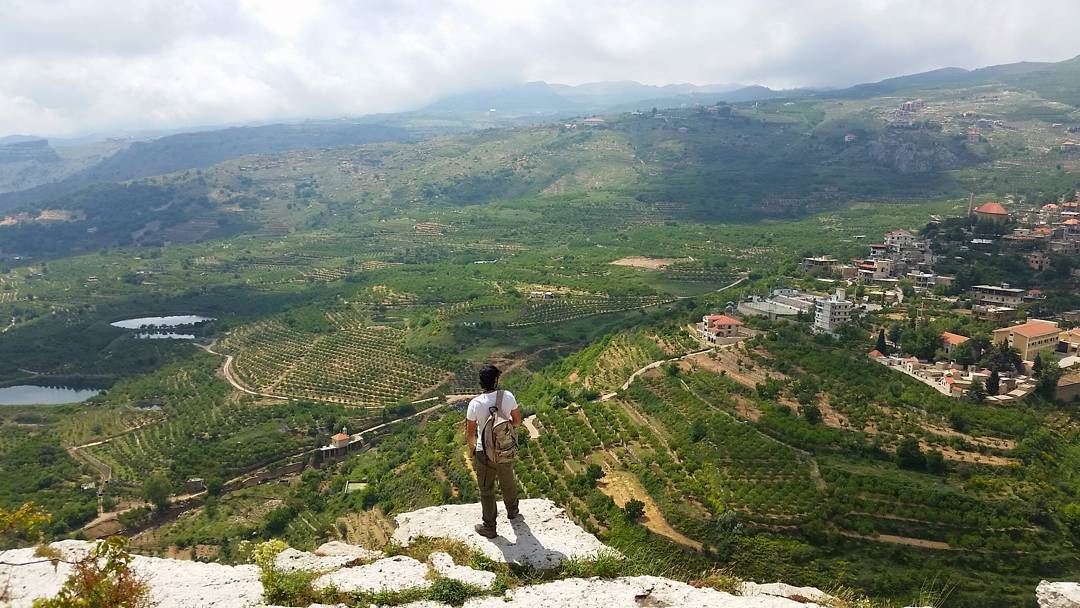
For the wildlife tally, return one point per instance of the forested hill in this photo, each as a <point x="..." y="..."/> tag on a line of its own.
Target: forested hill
<point x="724" y="163"/>
<point x="207" y="148"/>
<point x="937" y="135"/>
<point x="1059" y="81"/>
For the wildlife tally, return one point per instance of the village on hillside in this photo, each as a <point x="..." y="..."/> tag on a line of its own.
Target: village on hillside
<point x="913" y="287"/>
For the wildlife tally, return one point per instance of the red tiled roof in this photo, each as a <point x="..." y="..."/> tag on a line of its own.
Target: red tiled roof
<point x="723" y="320"/>
<point x="953" y="339"/>
<point x="1034" y="329"/>
<point x="992" y="208"/>
<point x="875" y="353"/>
<point x="1072" y="221"/>
<point x="341" y="437"/>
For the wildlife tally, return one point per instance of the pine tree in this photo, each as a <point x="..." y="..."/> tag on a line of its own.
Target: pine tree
<point x="993" y="383"/>
<point x="976" y="394"/>
<point x="1037" y="368"/>
<point x="881" y="346"/>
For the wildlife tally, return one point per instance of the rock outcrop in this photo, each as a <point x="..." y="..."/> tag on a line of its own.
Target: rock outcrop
<point x="1058" y="595"/>
<point x="751" y="589"/>
<point x="444" y="566"/>
<point x="390" y="574"/>
<point x="327" y="558"/>
<point x="544" y="537"/>
<point x="629" y="592"/>
<point x="173" y="583"/>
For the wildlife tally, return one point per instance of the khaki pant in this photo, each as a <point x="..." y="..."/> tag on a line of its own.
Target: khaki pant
<point x="486" y="474"/>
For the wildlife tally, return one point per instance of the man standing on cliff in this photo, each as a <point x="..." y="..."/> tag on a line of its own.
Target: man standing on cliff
<point x="481" y="408"/>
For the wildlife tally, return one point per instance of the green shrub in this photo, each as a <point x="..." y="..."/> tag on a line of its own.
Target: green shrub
<point x="451" y="591"/>
<point x="102" y="579"/>
<point x="605" y="564"/>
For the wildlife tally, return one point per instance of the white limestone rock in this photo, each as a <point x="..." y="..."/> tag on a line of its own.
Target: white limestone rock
<point x="292" y="560"/>
<point x="751" y="589"/>
<point x="1058" y="595"/>
<point x="173" y="584"/>
<point x="542" y="538"/>
<point x="336" y="548"/>
<point x="444" y="565"/>
<point x="629" y="592"/>
<point x="392" y="574"/>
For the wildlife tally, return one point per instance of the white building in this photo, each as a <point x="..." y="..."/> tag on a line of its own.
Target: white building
<point x="832" y="312"/>
<point x="997" y="296"/>
<point x="900" y="239"/>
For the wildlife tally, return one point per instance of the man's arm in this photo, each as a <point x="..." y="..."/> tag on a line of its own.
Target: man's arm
<point x="515" y="417"/>
<point x="470" y="434"/>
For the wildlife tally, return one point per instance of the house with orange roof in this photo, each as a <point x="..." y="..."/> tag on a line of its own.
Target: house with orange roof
<point x="340" y="444"/>
<point x="949" y="341"/>
<point x="1031" y="338"/>
<point x="719" y="326"/>
<point x="993" y="212"/>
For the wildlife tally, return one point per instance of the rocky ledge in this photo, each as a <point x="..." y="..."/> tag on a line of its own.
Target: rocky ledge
<point x="544" y="538"/>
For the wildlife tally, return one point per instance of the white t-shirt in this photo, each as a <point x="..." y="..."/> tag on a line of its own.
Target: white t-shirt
<point x="480" y="410"/>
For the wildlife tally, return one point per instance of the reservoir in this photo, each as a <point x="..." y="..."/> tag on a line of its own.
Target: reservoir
<point x="173" y="321"/>
<point x="29" y="394"/>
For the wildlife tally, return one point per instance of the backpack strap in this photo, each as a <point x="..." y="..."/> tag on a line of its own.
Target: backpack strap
<point x="493" y="415"/>
<point x="497" y="408"/>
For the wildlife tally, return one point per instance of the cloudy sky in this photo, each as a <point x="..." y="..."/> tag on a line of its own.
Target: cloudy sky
<point x="72" y="67"/>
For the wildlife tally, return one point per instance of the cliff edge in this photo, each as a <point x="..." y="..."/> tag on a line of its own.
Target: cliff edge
<point x="543" y="539"/>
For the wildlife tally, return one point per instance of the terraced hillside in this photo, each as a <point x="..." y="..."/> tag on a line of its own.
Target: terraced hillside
<point x="352" y="364"/>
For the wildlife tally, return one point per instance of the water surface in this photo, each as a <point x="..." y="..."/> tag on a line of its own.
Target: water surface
<point x="171" y="321"/>
<point x="29" y="394"/>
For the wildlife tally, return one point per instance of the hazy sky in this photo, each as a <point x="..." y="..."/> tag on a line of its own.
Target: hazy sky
<point x="70" y="67"/>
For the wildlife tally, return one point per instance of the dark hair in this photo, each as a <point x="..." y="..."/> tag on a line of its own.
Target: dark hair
<point x="489" y="377"/>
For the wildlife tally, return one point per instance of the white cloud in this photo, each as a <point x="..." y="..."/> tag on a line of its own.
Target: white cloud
<point x="69" y="67"/>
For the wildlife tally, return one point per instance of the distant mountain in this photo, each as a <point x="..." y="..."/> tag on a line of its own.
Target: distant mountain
<point x="18" y="139"/>
<point x="1054" y="81"/>
<point x="613" y="93"/>
<point x="206" y="148"/>
<point x="740" y="95"/>
<point x="19" y="149"/>
<point x="542" y="98"/>
<point x="531" y="97"/>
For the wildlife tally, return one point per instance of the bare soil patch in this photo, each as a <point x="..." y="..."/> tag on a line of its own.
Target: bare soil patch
<point x="60" y="215"/>
<point x="746" y="408"/>
<point x="371" y="529"/>
<point x="636" y="261"/>
<point x="733" y="364"/>
<point x="623" y="486"/>
<point x="958" y="456"/>
<point x="905" y="540"/>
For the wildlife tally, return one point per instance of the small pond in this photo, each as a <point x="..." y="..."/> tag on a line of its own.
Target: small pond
<point x="173" y="321"/>
<point x="29" y="394"/>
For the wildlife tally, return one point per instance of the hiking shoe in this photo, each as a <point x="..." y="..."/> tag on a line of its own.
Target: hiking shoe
<point x="513" y="515"/>
<point x="485" y="531"/>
